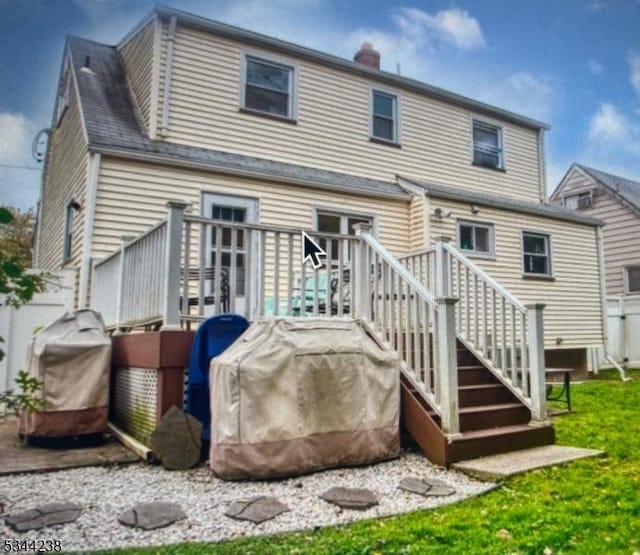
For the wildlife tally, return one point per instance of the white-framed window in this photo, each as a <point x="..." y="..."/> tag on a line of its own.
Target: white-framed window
<point x="579" y="201"/>
<point x="268" y="87"/>
<point x="475" y="238"/>
<point x="487" y="145"/>
<point x="385" y="124"/>
<point x="536" y="254"/>
<point x="67" y="240"/>
<point x="632" y="279"/>
<point x="63" y="96"/>
<point x="336" y="222"/>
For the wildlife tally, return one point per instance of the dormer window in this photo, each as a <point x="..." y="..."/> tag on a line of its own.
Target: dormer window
<point x="487" y="145"/>
<point x="268" y="87"/>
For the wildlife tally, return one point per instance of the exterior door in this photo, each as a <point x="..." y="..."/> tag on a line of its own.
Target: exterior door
<point x="234" y="209"/>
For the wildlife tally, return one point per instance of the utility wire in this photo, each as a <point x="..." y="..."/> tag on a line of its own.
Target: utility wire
<point x="17" y="167"/>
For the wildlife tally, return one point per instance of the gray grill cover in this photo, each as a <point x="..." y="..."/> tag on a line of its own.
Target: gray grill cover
<point x="71" y="356"/>
<point x="293" y="395"/>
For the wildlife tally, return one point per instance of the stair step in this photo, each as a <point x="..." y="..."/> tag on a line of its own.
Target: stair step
<point x="483" y="442"/>
<point x="493" y="416"/>
<point x="484" y="394"/>
<point x="475" y="375"/>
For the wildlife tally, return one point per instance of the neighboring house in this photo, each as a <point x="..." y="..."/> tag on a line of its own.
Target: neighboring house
<point x="616" y="201"/>
<point x="253" y="130"/>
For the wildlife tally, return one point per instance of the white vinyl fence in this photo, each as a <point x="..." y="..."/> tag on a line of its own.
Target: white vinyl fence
<point x="17" y="325"/>
<point x="623" y="330"/>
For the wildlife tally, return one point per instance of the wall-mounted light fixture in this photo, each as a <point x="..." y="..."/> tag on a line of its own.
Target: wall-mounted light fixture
<point x="441" y="213"/>
<point x="475" y="209"/>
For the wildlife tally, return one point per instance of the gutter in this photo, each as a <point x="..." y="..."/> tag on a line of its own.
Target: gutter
<point x="168" y="73"/>
<point x="89" y="218"/>
<point x="227" y="170"/>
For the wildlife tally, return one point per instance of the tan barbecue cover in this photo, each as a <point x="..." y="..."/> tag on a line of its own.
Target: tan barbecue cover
<point x="71" y="357"/>
<point x="293" y="395"/>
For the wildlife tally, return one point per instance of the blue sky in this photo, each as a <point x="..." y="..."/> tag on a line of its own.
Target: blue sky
<point x="574" y="64"/>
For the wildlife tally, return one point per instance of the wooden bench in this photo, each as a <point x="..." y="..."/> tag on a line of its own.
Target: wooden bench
<point x="565" y="391"/>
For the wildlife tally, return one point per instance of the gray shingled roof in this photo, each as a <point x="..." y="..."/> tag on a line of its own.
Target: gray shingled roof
<point x="629" y="190"/>
<point x="114" y="126"/>
<point x="485" y="199"/>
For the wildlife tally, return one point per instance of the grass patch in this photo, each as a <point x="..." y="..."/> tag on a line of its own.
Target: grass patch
<point x="590" y="506"/>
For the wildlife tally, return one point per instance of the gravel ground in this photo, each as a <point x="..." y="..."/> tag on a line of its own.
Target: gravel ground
<point x="105" y="492"/>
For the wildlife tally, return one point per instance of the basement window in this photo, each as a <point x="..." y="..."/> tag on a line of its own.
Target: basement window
<point x="633" y="279"/>
<point x="268" y="87"/>
<point x="536" y="254"/>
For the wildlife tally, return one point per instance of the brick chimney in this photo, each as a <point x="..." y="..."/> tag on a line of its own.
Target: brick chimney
<point x="368" y="56"/>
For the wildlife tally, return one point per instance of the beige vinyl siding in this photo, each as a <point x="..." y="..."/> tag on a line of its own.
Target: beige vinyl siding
<point x="137" y="55"/>
<point x="332" y="129"/>
<point x="573" y="309"/>
<point x="621" y="233"/>
<point x="66" y="176"/>
<point x="132" y="196"/>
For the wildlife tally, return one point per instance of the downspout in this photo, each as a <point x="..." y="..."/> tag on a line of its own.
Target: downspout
<point x="171" y="39"/>
<point x="89" y="217"/>
<point x="603" y="293"/>
<point x="542" y="168"/>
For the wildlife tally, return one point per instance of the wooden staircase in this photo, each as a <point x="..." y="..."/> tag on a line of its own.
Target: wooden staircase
<point x="492" y="419"/>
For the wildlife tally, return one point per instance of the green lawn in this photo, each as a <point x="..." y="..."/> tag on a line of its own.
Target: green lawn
<point x="590" y="506"/>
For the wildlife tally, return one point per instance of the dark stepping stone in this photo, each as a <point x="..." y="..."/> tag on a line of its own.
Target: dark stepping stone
<point x="176" y="441"/>
<point x="350" y="498"/>
<point x="44" y="515"/>
<point x="150" y="516"/>
<point x="426" y="488"/>
<point x="256" y="509"/>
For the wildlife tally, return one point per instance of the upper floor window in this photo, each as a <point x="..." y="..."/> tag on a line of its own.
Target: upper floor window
<point x="633" y="279"/>
<point x="487" y="145"/>
<point x="579" y="201"/>
<point x="63" y="96"/>
<point x="268" y="87"/>
<point x="475" y="238"/>
<point x="536" y="254"/>
<point x="384" y="116"/>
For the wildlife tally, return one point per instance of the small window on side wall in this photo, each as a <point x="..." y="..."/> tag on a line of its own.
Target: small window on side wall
<point x="384" y="116"/>
<point x="536" y="254"/>
<point x="67" y="244"/>
<point x="633" y="279"/>
<point x="475" y="238"/>
<point x="487" y="145"/>
<point x="268" y="87"/>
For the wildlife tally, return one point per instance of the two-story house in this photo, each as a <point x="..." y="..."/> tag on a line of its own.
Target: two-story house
<point x="616" y="201"/>
<point x="255" y="131"/>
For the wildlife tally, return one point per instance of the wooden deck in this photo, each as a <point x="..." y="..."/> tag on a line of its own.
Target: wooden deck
<point x="16" y="458"/>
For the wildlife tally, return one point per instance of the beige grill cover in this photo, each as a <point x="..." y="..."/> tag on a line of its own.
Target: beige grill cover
<point x="294" y="395"/>
<point x="71" y="357"/>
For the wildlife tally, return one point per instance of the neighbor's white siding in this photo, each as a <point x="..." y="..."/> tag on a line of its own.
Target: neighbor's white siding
<point x="621" y="232"/>
<point x="573" y="304"/>
<point x="332" y="129"/>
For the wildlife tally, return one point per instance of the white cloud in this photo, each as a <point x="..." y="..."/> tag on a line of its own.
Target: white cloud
<point x="595" y="67"/>
<point x="634" y="69"/>
<point x="18" y="186"/>
<point x="608" y="124"/>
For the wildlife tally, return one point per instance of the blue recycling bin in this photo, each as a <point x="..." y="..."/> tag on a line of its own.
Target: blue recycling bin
<point x="212" y="338"/>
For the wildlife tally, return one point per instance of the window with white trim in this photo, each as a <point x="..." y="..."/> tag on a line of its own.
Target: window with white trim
<point x="332" y="222"/>
<point x="63" y="96"/>
<point x="633" y="279"/>
<point x="487" y="145"/>
<point x="536" y="254"/>
<point x="475" y="238"/>
<point x="384" y="116"/>
<point x="268" y="87"/>
<point x="67" y="243"/>
<point x="578" y="201"/>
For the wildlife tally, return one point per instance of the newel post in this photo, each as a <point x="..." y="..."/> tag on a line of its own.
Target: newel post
<point x="535" y="339"/>
<point x="361" y="267"/>
<point x="173" y="248"/>
<point x="442" y="270"/>
<point x="448" y="364"/>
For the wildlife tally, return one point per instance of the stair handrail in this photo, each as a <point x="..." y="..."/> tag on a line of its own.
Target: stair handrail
<point x="413" y="322"/>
